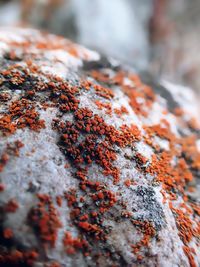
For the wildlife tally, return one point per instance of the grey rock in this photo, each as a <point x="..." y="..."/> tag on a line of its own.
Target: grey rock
<point x="85" y="175"/>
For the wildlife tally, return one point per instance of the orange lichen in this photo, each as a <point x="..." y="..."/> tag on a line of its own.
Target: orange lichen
<point x="7" y="233"/>
<point x="103" y="91"/>
<point x="18" y="258"/>
<point x="88" y="227"/>
<point x="185" y="225"/>
<point x="189" y="252"/>
<point x="3" y="160"/>
<point x="100" y="76"/>
<point x="73" y="244"/>
<point x="45" y="220"/>
<point x="127" y="183"/>
<point x="11" y="206"/>
<point x="59" y="201"/>
<point x="120" y="111"/>
<point x="148" y="232"/>
<point x="2" y="187"/>
<point x="106" y="106"/>
<point x="21" y="114"/>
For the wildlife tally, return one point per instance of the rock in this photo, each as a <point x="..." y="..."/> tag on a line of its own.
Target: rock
<point x="99" y="167"/>
<point x="126" y="23"/>
<point x="124" y="38"/>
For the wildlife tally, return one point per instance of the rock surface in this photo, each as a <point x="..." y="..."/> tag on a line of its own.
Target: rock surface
<point x="97" y="167"/>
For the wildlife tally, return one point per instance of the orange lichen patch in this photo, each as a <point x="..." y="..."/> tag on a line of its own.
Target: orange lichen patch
<point x="90" y="150"/>
<point x="103" y="91"/>
<point x="100" y="195"/>
<point x="193" y="124"/>
<point x="196" y="162"/>
<point x="191" y="189"/>
<point x="128" y="135"/>
<point x="11" y="206"/>
<point x="120" y="111"/>
<point x="148" y="233"/>
<point x="185" y="225"/>
<point x="185" y="207"/>
<point x="84" y="217"/>
<point x="45" y="220"/>
<point x="85" y="84"/>
<point x="73" y="51"/>
<point x="164" y="200"/>
<point x="50" y="44"/>
<point x="184" y="170"/>
<point x="90" y="228"/>
<point x="196" y="208"/>
<point x="108" y="199"/>
<point x="133" y="100"/>
<point x="59" y="201"/>
<point x="13" y="148"/>
<point x="140" y="159"/>
<point x="4" y="97"/>
<point x="72" y="244"/>
<point x="179" y="111"/>
<point x="12" y="55"/>
<point x="139" y="257"/>
<point x="118" y="78"/>
<point x="2" y="187"/>
<point x="174" y="178"/>
<point x="160" y="131"/>
<point x="106" y="106"/>
<point x="190" y="151"/>
<point x="71" y="197"/>
<point x="75" y="213"/>
<point x="14" y="74"/>
<point x="13" y="43"/>
<point x="170" y="177"/>
<point x="7" y="233"/>
<point x="89" y="223"/>
<point x="18" y="258"/>
<point x="127" y="214"/>
<point x="3" y="161"/>
<point x="100" y="76"/>
<point x="127" y="183"/>
<point x="135" y="79"/>
<point x="136" y="92"/>
<point x="188" y="144"/>
<point x="189" y="252"/>
<point x="21" y="114"/>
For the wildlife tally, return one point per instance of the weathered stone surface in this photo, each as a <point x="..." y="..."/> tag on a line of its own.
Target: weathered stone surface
<point x="97" y="168"/>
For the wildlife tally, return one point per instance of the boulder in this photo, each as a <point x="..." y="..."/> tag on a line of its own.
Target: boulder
<point x="99" y="166"/>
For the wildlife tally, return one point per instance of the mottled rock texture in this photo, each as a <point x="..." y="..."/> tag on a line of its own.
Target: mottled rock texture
<point x="97" y="167"/>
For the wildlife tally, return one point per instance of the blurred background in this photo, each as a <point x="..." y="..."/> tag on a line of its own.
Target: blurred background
<point x="160" y="37"/>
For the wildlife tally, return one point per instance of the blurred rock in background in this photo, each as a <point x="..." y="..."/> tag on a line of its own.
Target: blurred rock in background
<point x="116" y="27"/>
<point x="157" y="36"/>
<point x="174" y="36"/>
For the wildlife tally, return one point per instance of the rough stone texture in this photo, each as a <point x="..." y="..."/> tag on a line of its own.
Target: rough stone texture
<point x="97" y="167"/>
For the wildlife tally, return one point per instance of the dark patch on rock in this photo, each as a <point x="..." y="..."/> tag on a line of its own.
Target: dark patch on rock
<point x="160" y="90"/>
<point x="102" y="63"/>
<point x="153" y="211"/>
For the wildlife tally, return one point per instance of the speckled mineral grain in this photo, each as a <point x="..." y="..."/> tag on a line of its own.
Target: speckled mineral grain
<point x="97" y="167"/>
